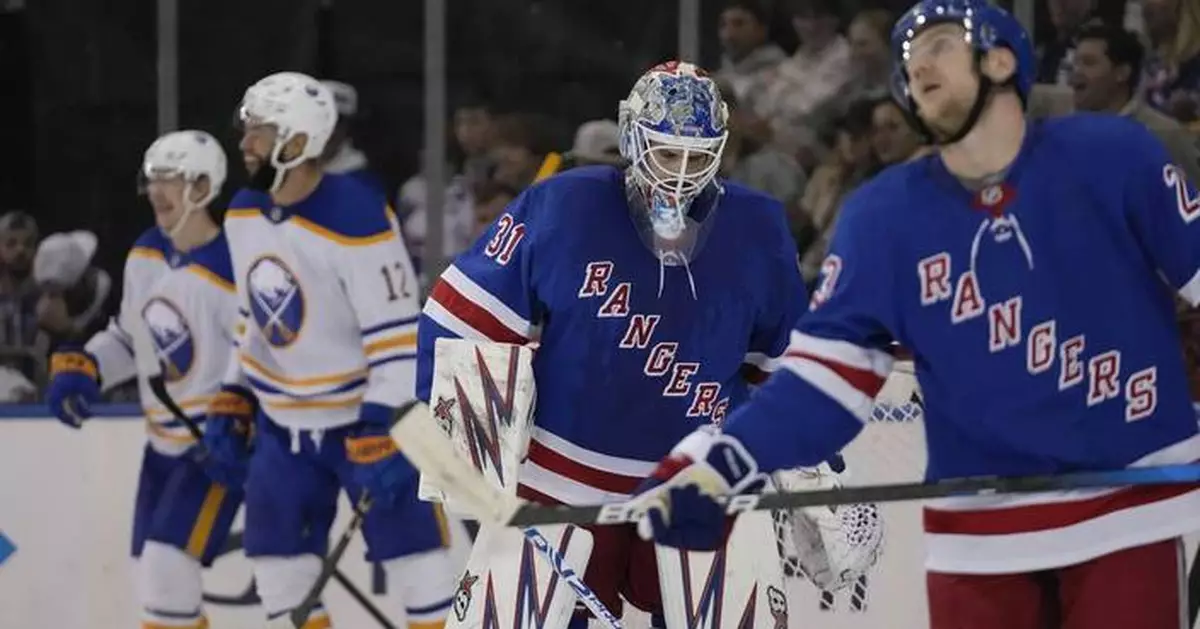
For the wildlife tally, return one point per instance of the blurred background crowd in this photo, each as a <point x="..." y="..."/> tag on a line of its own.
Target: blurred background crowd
<point x="532" y="88"/>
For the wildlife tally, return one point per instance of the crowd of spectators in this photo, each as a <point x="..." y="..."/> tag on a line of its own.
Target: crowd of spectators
<point x="812" y="118"/>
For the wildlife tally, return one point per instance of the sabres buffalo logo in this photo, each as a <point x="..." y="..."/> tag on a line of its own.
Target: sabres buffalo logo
<point x="174" y="346"/>
<point x="276" y="301"/>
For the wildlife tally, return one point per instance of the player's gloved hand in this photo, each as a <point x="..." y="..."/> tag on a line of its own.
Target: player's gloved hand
<point x="74" y="385"/>
<point x="678" y="499"/>
<point x="380" y="469"/>
<point x="228" y="432"/>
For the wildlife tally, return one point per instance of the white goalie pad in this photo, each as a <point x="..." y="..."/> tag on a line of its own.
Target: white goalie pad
<point x="831" y="546"/>
<point x="508" y="585"/>
<point x="739" y="586"/>
<point x="482" y="398"/>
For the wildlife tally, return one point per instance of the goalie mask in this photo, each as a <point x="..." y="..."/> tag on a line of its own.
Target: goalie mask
<point x="672" y="134"/>
<point x="294" y="104"/>
<point x="189" y="155"/>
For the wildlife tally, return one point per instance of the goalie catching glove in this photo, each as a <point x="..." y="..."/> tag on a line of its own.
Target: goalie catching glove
<point x="830" y="545"/>
<point x="679" y="503"/>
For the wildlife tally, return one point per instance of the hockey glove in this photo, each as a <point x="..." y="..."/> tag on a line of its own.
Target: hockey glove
<point x="228" y="431"/>
<point x="680" y="509"/>
<point x="74" y="386"/>
<point x="379" y="467"/>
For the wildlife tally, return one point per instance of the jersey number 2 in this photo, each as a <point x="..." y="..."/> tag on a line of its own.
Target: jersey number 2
<point x="508" y="235"/>
<point x="390" y="276"/>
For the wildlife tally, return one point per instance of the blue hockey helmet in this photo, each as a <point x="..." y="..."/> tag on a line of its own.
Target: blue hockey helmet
<point x="985" y="27"/>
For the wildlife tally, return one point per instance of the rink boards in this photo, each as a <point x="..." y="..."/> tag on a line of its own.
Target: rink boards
<point x="66" y="500"/>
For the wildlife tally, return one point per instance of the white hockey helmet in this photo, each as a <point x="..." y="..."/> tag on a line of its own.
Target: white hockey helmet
<point x="295" y="104"/>
<point x="191" y="155"/>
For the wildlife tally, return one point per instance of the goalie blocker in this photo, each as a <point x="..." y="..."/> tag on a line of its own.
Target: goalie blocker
<point x="482" y="399"/>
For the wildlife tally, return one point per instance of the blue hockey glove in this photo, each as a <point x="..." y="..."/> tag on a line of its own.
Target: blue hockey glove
<point x="228" y="431"/>
<point x="74" y="386"/>
<point x="678" y="498"/>
<point x="380" y="469"/>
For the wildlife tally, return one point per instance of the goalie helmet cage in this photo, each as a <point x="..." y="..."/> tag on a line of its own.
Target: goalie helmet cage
<point x="891" y="449"/>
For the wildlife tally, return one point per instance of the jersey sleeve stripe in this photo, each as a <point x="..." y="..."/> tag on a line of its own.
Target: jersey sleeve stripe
<point x="482" y="323"/>
<point x="450" y="323"/>
<point x="844" y="352"/>
<point x="478" y="295"/>
<point x="378" y="362"/>
<point x="854" y="390"/>
<point x="388" y="325"/>
<point x="761" y="361"/>
<point x="406" y="340"/>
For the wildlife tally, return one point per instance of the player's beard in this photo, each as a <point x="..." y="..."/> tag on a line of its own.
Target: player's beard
<point x="949" y="121"/>
<point x="263" y="176"/>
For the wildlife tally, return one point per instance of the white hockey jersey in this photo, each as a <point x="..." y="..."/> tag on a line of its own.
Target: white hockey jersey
<point x="329" y="299"/>
<point x="185" y="306"/>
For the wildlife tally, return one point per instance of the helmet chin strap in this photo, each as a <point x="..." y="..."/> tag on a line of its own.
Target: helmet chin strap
<point x="271" y="173"/>
<point x="986" y="86"/>
<point x="189" y="208"/>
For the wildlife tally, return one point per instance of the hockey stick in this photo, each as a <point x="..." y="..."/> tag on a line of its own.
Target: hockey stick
<point x="630" y="511"/>
<point x="558" y="563"/>
<point x="329" y="568"/>
<point x="299" y="615"/>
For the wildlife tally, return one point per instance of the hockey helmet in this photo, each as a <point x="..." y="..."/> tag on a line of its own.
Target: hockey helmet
<point x="985" y="27"/>
<point x="295" y="104"/>
<point x="188" y="154"/>
<point x="672" y="129"/>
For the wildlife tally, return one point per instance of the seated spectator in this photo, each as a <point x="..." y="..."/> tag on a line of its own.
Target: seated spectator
<point x="809" y="80"/>
<point x="758" y="166"/>
<point x="1108" y="63"/>
<point x="74" y="294"/>
<point x="851" y="163"/>
<point x="869" y="35"/>
<point x="893" y="138"/>
<point x="490" y="200"/>
<point x="596" y="142"/>
<point x="22" y="348"/>
<point x="458" y="222"/>
<point x="747" y="55"/>
<point x="524" y="150"/>
<point x="1172" y="73"/>
<point x="1056" y="57"/>
<point x="474" y="137"/>
<point x="341" y="156"/>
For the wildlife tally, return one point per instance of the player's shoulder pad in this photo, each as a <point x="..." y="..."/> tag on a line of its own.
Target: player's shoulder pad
<point x="214" y="257"/>
<point x="751" y="203"/>
<point x="883" y="199"/>
<point x="347" y="211"/>
<point x="151" y="245"/>
<point x="247" y="202"/>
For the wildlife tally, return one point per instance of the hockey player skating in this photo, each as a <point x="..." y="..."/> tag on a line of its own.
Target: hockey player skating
<point x="178" y="308"/>
<point x="328" y="352"/>
<point x="1030" y="267"/>
<point x="649" y="291"/>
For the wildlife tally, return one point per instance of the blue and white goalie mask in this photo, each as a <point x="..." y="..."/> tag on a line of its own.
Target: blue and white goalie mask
<point x="673" y="132"/>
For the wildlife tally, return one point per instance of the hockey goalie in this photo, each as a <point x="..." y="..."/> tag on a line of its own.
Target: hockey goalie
<point x="656" y="294"/>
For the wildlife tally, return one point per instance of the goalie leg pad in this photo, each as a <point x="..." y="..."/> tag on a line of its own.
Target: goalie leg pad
<point x="742" y="585"/>
<point x="505" y="578"/>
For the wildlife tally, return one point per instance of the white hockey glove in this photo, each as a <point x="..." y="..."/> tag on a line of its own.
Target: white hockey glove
<point x="831" y="546"/>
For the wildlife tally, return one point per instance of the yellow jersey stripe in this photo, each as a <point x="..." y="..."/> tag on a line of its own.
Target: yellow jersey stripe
<point x="306" y="381"/>
<point x="354" y="241"/>
<point x="408" y="339"/>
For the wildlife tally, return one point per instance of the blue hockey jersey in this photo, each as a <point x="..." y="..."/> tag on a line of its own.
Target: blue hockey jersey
<point x="623" y="372"/>
<point x="1040" y="315"/>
